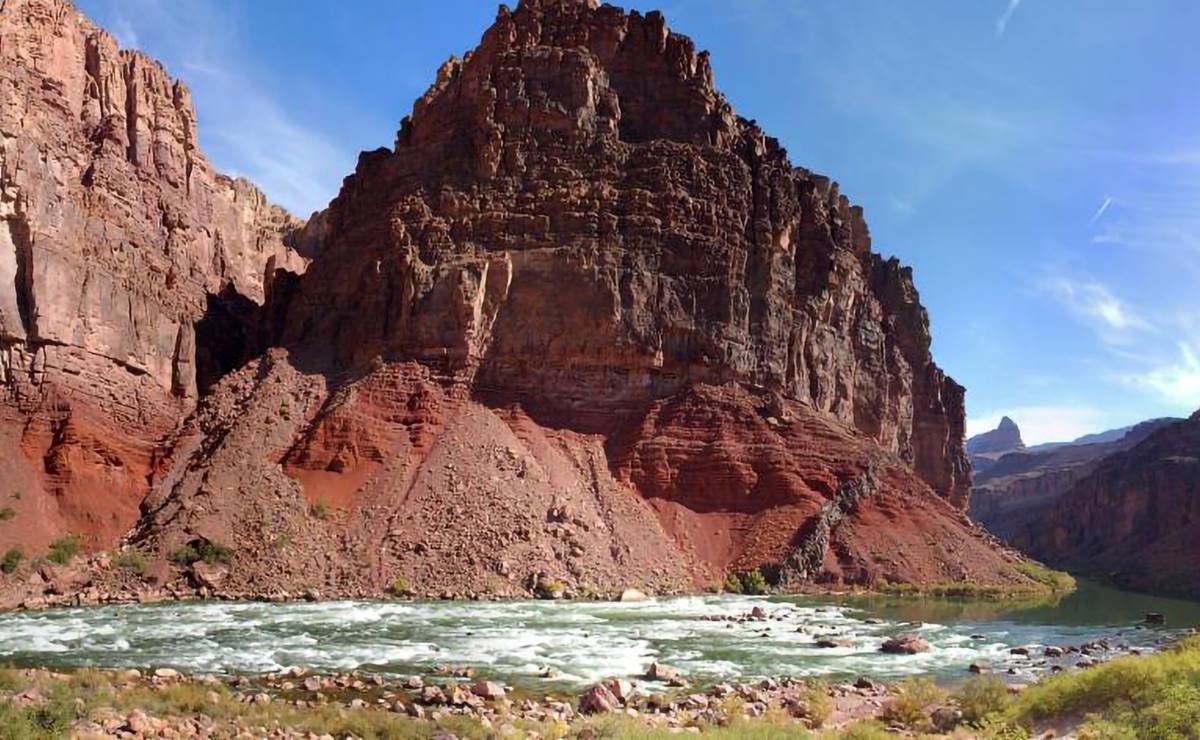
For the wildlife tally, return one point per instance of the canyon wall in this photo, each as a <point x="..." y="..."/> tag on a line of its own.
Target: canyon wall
<point x="116" y="239"/>
<point x="582" y="327"/>
<point x="583" y="324"/>
<point x="1134" y="520"/>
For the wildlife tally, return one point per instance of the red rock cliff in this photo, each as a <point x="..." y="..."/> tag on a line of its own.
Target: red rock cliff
<point x="615" y="233"/>
<point x="582" y="324"/>
<point x="114" y="233"/>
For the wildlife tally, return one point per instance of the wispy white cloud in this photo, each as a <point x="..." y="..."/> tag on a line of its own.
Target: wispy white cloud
<point x="1002" y="21"/>
<point x="1176" y="382"/>
<point x="1096" y="303"/>
<point x="1041" y="424"/>
<point x="126" y="36"/>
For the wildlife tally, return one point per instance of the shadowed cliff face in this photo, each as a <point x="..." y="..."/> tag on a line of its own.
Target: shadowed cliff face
<point x="1017" y="490"/>
<point x="1135" y="518"/>
<point x="113" y="230"/>
<point x="581" y="324"/>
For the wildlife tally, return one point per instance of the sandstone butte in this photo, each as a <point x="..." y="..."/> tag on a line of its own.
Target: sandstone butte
<point x="582" y="324"/>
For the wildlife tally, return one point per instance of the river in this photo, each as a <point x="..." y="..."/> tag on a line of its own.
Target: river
<point x="584" y="641"/>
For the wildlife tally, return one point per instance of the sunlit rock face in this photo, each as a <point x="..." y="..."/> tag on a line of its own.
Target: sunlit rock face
<point x="582" y="327"/>
<point x="114" y="232"/>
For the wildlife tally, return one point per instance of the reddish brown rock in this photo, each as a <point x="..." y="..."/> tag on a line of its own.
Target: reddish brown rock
<point x="116" y="237"/>
<point x="905" y="645"/>
<point x="582" y="328"/>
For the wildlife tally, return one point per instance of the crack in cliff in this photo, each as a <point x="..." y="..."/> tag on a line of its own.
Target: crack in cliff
<point x="22" y="239"/>
<point x="807" y="559"/>
<point x="131" y="110"/>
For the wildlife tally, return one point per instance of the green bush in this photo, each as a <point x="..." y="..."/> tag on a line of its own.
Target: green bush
<point x="7" y="513"/>
<point x="63" y="549"/>
<point x="1152" y="696"/>
<point x="754" y="583"/>
<point x="132" y="561"/>
<point x="911" y="705"/>
<point x="320" y="510"/>
<point x="400" y="587"/>
<point x="210" y="552"/>
<point x="981" y="697"/>
<point x="184" y="555"/>
<point x="12" y="559"/>
<point x="733" y="584"/>
<point x="1055" y="580"/>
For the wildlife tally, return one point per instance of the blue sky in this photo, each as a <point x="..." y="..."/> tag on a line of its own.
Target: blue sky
<point x="1036" y="161"/>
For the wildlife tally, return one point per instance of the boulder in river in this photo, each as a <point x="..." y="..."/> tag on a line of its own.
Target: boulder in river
<point x="905" y="645"/>
<point x="632" y="595"/>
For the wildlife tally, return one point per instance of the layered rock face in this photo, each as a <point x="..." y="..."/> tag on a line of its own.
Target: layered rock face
<point x="582" y="328"/>
<point x="1014" y="492"/>
<point x="1135" y="519"/>
<point x="582" y="325"/>
<point x="116" y="239"/>
<point x="614" y="233"/>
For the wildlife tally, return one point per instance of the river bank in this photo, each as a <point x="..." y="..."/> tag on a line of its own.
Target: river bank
<point x="1134" y="696"/>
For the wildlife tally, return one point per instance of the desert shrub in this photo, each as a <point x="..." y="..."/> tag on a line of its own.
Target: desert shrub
<point x="400" y="587"/>
<point x="1152" y="696"/>
<point x="132" y="561"/>
<point x="912" y="702"/>
<point x="12" y="559"/>
<point x="210" y="552"/>
<point x="1055" y="580"/>
<point x="754" y="583"/>
<point x="184" y="555"/>
<point x="861" y="730"/>
<point x="820" y="704"/>
<point x="63" y="549"/>
<point x="6" y="513"/>
<point x="733" y="584"/>
<point x="320" y="510"/>
<point x="981" y="697"/>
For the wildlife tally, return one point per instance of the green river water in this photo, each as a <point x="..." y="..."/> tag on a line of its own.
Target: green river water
<point x="585" y="641"/>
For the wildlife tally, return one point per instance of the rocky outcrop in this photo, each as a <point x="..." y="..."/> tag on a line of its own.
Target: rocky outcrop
<point x="581" y="329"/>
<point x="1135" y="518"/>
<point x="114" y="233"/>
<point x="1015" y="491"/>
<point x="984" y="449"/>
<point x="583" y="326"/>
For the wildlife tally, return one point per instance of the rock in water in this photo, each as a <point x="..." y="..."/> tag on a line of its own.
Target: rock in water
<point x="905" y="645"/>
<point x="581" y="317"/>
